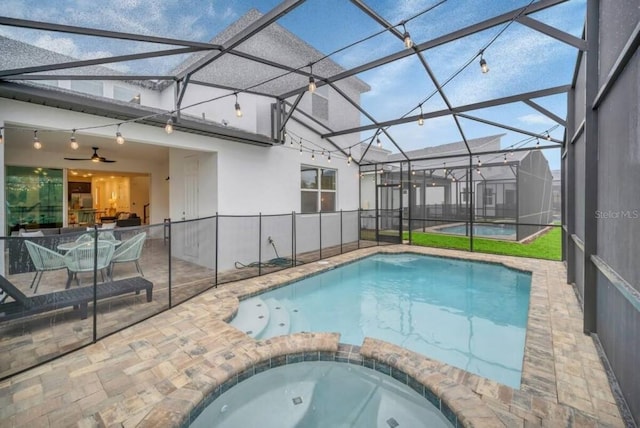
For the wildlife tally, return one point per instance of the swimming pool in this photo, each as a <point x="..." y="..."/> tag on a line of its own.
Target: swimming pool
<point x="480" y="229"/>
<point x="469" y="314"/>
<point x="320" y="394"/>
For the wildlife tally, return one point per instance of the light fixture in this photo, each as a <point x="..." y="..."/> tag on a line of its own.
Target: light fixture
<point x="483" y="64"/>
<point x="36" y="141"/>
<point x="119" y="137"/>
<point x="168" y="128"/>
<point x="445" y="169"/>
<point x="406" y="37"/>
<point x="548" y="136"/>
<point x="421" y="118"/>
<point x="300" y="147"/>
<point x="313" y="155"/>
<point x="329" y="158"/>
<point x="537" y="144"/>
<point x="479" y="162"/>
<point x="312" y="81"/>
<point x="379" y="142"/>
<point x="72" y="141"/>
<point x="349" y="157"/>
<point x="413" y="171"/>
<point x="237" y="106"/>
<point x="505" y="158"/>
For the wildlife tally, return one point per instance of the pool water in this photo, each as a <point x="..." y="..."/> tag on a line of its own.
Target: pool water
<point x="320" y="394"/>
<point x="469" y="314"/>
<point x="480" y="230"/>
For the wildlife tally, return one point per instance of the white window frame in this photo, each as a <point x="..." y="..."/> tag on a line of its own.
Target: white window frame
<point x="319" y="190"/>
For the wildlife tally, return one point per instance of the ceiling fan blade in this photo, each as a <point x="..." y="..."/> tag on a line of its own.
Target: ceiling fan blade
<point x="107" y="160"/>
<point x="77" y="159"/>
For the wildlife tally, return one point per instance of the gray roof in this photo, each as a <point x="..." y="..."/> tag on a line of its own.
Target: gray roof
<point x="483" y="144"/>
<point x="273" y="43"/>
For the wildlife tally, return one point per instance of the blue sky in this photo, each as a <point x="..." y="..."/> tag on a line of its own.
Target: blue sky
<point x="520" y="60"/>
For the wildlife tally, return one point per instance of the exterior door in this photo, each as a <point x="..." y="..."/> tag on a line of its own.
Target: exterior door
<point x="389" y="213"/>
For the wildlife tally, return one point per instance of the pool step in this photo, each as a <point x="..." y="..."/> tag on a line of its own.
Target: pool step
<point x="252" y="317"/>
<point x="279" y="320"/>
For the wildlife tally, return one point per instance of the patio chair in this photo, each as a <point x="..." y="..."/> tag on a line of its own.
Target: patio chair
<point x="44" y="260"/>
<point x="81" y="259"/>
<point x="79" y="297"/>
<point x="129" y="251"/>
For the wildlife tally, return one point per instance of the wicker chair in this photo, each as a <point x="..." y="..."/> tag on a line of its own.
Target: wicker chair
<point x="81" y="259"/>
<point x="129" y="251"/>
<point x="44" y="260"/>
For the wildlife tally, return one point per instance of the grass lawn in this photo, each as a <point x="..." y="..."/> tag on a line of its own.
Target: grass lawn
<point x="547" y="246"/>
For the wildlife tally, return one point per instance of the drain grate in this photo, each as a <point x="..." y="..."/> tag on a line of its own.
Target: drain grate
<point x="297" y="400"/>
<point x="392" y="423"/>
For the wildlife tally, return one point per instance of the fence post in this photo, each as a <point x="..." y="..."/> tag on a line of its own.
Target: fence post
<point x="340" y="231"/>
<point x="259" y="244"/>
<point x="293" y="238"/>
<point x="167" y="229"/>
<point x="216" y="249"/>
<point x="95" y="283"/>
<point x="320" y="232"/>
<point x="359" y="226"/>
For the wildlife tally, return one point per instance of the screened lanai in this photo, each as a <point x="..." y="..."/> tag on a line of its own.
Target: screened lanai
<point x="445" y="123"/>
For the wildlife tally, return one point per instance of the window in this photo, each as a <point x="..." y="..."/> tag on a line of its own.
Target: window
<point x="320" y="103"/>
<point x="126" y="94"/>
<point x="90" y="87"/>
<point x="318" y="189"/>
<point x="488" y="196"/>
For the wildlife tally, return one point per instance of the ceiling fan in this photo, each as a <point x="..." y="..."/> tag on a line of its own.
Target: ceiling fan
<point x="95" y="157"/>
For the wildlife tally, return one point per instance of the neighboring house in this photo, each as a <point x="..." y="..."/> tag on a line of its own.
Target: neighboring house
<point x="215" y="162"/>
<point x="514" y="187"/>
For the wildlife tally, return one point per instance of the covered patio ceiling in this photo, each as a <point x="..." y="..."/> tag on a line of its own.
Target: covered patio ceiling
<point x="367" y="46"/>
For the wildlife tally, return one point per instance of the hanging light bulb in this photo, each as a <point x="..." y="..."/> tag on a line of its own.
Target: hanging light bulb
<point x="237" y="107"/>
<point x="36" y="141"/>
<point x="379" y="142"/>
<point x="413" y="171"/>
<point x="72" y="141"/>
<point x="483" y="64"/>
<point x="329" y="158"/>
<point x="406" y="37"/>
<point x="548" y="136"/>
<point x="1" y="135"/>
<point x="479" y="162"/>
<point x="349" y="157"/>
<point x="421" y="118"/>
<point x="505" y="158"/>
<point x="300" y="147"/>
<point x="537" y="144"/>
<point x="445" y="168"/>
<point x="119" y="137"/>
<point x="312" y="81"/>
<point x="168" y="128"/>
<point x="313" y="155"/>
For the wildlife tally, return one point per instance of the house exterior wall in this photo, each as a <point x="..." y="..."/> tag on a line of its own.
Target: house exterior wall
<point x="617" y="279"/>
<point x="534" y="193"/>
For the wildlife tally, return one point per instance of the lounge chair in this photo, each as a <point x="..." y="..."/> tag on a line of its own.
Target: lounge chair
<point x="79" y="297"/>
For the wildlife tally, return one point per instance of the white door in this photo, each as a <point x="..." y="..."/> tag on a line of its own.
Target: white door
<point x="191" y="242"/>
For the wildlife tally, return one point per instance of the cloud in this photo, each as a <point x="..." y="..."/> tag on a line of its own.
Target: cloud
<point x="536" y="119"/>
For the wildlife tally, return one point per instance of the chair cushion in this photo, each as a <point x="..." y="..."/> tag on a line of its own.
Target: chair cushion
<point x="32" y="234"/>
<point x="108" y="225"/>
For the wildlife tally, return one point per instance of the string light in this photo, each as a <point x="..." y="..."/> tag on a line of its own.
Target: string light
<point x="537" y="144"/>
<point x="406" y="37"/>
<point x="237" y="107"/>
<point x="505" y="158"/>
<point x="548" y="137"/>
<point x="349" y="157"/>
<point x="300" y="147"/>
<point x="168" y="128"/>
<point x="72" y="141"/>
<point x="312" y="81"/>
<point x="379" y="142"/>
<point x="445" y="169"/>
<point x="329" y="158"/>
<point x="313" y="155"/>
<point x="421" y="118"/>
<point x="479" y="163"/>
<point x="119" y="137"/>
<point x="483" y="63"/>
<point x="36" y="141"/>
